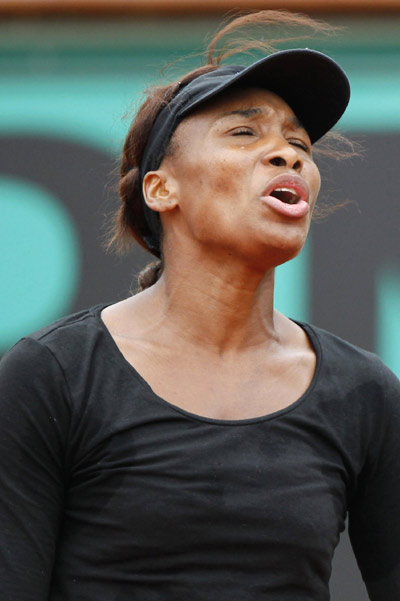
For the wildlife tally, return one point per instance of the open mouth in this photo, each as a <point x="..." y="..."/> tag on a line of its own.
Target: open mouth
<point x="287" y="195"/>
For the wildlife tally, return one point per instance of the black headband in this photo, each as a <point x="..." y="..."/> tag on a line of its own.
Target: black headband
<point x="311" y="83"/>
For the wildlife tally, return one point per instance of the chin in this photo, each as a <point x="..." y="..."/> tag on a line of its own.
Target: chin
<point x="271" y="256"/>
<point x="279" y="250"/>
<point x="277" y="259"/>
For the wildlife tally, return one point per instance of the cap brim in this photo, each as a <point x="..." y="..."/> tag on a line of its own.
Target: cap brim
<point x="312" y="84"/>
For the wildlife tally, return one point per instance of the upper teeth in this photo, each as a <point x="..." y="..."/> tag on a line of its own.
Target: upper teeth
<point x="286" y="190"/>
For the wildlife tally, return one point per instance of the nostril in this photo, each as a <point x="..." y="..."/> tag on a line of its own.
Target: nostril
<point x="278" y="162"/>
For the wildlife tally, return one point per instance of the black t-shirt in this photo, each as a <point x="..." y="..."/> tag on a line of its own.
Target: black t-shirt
<point x="110" y="493"/>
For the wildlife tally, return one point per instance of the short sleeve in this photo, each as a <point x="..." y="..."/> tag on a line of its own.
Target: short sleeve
<point x="34" y="416"/>
<point x="374" y="515"/>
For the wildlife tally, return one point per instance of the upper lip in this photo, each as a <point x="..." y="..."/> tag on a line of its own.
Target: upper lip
<point x="292" y="182"/>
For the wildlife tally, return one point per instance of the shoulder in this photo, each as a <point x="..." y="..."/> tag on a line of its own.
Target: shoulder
<point x="48" y="355"/>
<point x="76" y="328"/>
<point x="343" y="358"/>
<point x="76" y="332"/>
<point x="355" y="383"/>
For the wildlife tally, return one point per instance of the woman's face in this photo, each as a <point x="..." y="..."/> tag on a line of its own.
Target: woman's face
<point x="244" y="178"/>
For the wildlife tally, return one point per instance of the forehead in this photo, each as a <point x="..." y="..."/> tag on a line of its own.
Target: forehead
<point x="247" y="103"/>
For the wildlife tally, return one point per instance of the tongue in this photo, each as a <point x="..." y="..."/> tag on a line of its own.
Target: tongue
<point x="293" y="210"/>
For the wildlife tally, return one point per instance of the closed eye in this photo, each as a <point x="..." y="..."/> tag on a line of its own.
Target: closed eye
<point x="243" y="131"/>
<point x="300" y="144"/>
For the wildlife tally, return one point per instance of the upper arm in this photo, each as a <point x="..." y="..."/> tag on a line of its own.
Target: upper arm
<point x="374" y="515"/>
<point x="33" y="428"/>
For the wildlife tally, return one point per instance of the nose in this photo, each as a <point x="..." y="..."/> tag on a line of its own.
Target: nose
<point x="284" y="155"/>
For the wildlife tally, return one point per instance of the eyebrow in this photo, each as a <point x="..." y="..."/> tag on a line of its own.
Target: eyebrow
<point x="296" y="122"/>
<point x="254" y="111"/>
<point x="251" y="112"/>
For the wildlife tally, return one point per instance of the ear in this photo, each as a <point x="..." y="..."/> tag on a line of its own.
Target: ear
<point x="159" y="191"/>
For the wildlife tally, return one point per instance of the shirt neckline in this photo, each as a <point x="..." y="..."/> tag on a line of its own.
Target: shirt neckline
<point x="308" y="329"/>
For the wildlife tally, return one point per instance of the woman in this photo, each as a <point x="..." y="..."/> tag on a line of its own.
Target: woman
<point x="190" y="442"/>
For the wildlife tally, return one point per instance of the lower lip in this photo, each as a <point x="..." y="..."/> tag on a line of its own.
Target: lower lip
<point x="295" y="211"/>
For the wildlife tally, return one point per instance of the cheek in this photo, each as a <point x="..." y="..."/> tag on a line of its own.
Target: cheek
<point x="209" y="178"/>
<point x="314" y="180"/>
<point x="223" y="178"/>
<point x="211" y="198"/>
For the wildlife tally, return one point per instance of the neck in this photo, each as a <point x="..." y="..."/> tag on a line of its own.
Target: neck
<point x="222" y="307"/>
